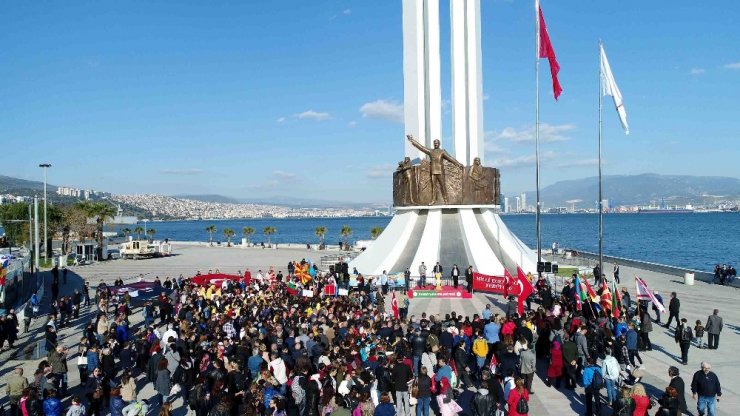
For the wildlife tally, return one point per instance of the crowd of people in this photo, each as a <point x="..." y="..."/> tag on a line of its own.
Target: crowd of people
<point x="262" y="348"/>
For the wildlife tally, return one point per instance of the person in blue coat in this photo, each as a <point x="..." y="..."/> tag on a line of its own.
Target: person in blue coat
<point x="385" y="408"/>
<point x="52" y="405"/>
<point x="632" y="344"/>
<point x="116" y="403"/>
<point x="593" y="396"/>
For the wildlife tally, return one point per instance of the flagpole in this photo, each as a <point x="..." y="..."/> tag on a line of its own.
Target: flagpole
<point x="601" y="208"/>
<point x="537" y="127"/>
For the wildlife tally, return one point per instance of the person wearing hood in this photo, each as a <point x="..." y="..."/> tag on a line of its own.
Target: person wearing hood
<point x="484" y="404"/>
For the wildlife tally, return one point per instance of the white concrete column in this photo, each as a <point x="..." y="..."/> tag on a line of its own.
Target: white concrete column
<point x="421" y="73"/>
<point x="467" y="80"/>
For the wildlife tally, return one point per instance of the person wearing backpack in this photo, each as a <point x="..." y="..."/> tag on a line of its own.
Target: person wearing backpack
<point x="518" y="401"/>
<point x="593" y="382"/>
<point x="683" y="338"/>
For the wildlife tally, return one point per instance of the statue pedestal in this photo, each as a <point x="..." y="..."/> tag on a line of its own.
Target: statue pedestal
<point x="466" y="235"/>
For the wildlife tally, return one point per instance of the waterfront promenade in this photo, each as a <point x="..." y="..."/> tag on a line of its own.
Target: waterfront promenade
<point x="696" y="303"/>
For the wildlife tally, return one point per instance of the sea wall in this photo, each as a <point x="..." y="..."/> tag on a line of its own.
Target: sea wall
<point x="585" y="258"/>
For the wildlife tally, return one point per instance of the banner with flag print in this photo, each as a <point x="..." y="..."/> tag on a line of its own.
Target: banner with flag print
<point x="616" y="301"/>
<point x="644" y="293"/>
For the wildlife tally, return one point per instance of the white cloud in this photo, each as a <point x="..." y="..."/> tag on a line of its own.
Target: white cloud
<point x="697" y="71"/>
<point x="734" y="65"/>
<point x="281" y="120"/>
<point x="314" y="115"/>
<point x="352" y="124"/>
<point x="283" y="175"/>
<point x="190" y="171"/>
<point x="380" y="171"/>
<point x="383" y="110"/>
<point x="548" y="133"/>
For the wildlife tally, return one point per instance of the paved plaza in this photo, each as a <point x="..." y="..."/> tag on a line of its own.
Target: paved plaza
<point x="697" y="302"/>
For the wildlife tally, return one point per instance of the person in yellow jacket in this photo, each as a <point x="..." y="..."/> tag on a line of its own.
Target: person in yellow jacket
<point x="480" y="350"/>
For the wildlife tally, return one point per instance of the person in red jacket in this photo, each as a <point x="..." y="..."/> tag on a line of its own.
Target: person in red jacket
<point x="516" y="394"/>
<point x="555" y="369"/>
<point x="641" y="400"/>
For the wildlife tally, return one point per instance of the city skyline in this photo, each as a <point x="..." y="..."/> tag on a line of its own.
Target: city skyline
<point x="214" y="99"/>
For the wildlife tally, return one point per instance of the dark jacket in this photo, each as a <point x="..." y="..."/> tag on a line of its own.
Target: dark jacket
<point x="424" y="383"/>
<point x="312" y="396"/>
<point x="385" y="409"/>
<point x="706" y="384"/>
<point x="419" y="343"/>
<point x="678" y="384"/>
<point x="483" y="403"/>
<point x="162" y="383"/>
<point x="674" y="306"/>
<point x="401" y="374"/>
<point x="669" y="406"/>
<point x="116" y="406"/>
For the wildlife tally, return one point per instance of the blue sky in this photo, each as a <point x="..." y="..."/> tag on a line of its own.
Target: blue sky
<point x="254" y="98"/>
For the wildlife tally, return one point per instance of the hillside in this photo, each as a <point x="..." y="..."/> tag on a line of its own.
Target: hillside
<point x="22" y="187"/>
<point x="641" y="190"/>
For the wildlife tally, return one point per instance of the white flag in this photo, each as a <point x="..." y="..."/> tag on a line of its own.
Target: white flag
<point x="643" y="293"/>
<point x="609" y="87"/>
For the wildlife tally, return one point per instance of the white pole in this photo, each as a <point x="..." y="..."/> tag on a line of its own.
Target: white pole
<point x="601" y="208"/>
<point x="36" y="232"/>
<point x="46" y="232"/>
<point x="537" y="126"/>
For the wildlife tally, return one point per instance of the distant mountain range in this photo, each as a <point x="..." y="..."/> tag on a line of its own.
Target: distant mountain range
<point x="285" y="201"/>
<point x="639" y="190"/>
<point x="21" y="186"/>
<point x="618" y="189"/>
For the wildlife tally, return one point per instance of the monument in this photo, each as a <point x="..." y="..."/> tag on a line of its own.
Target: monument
<point x="446" y="203"/>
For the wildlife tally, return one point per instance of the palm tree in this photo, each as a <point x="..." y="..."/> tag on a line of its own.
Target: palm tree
<point x="248" y="232"/>
<point x="269" y="231"/>
<point x="138" y="230"/>
<point x="375" y="232"/>
<point x="150" y="233"/>
<point x="101" y="211"/>
<point x="126" y="232"/>
<point x="211" y="229"/>
<point x="321" y="232"/>
<point x="345" y="233"/>
<point x="228" y="233"/>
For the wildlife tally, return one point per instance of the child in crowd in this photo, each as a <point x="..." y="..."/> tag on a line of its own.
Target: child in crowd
<point x="699" y="333"/>
<point x="77" y="408"/>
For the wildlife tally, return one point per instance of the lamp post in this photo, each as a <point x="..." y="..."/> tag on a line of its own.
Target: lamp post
<point x="47" y="250"/>
<point x="145" y="221"/>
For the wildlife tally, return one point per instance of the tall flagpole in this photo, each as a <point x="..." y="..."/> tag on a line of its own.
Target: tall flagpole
<point x="537" y="125"/>
<point x="601" y="208"/>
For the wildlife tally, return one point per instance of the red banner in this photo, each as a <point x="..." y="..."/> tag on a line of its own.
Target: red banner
<point x="503" y="285"/>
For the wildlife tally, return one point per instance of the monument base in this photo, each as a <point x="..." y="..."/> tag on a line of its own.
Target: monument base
<point x="463" y="235"/>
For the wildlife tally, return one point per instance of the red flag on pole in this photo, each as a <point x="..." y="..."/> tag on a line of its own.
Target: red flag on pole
<point x="508" y="282"/>
<point x="547" y="51"/>
<point x="394" y="305"/>
<point x="527" y="289"/>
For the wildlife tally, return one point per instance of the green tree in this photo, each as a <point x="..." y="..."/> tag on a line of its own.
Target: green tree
<point x="138" y="230"/>
<point x="248" y="232"/>
<point x="211" y="229"/>
<point x="321" y="232"/>
<point x="126" y="232"/>
<point x="100" y="212"/>
<point x="75" y="223"/>
<point x="228" y="233"/>
<point x="11" y="218"/>
<point x="375" y="232"/>
<point x="345" y="233"/>
<point x="150" y="233"/>
<point x="269" y="231"/>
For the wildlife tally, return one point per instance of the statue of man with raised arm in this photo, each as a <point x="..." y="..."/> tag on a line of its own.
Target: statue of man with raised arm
<point x="436" y="158"/>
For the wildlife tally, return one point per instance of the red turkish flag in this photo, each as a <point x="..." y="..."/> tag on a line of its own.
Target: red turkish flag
<point x="394" y="305"/>
<point x="546" y="51"/>
<point x="527" y="289"/>
<point x="509" y="282"/>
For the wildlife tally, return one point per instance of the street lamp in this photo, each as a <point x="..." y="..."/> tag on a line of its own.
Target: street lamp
<point x="47" y="250"/>
<point x="145" y="221"/>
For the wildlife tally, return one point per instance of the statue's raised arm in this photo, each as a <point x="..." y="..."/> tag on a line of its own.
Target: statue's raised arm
<point x="416" y="144"/>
